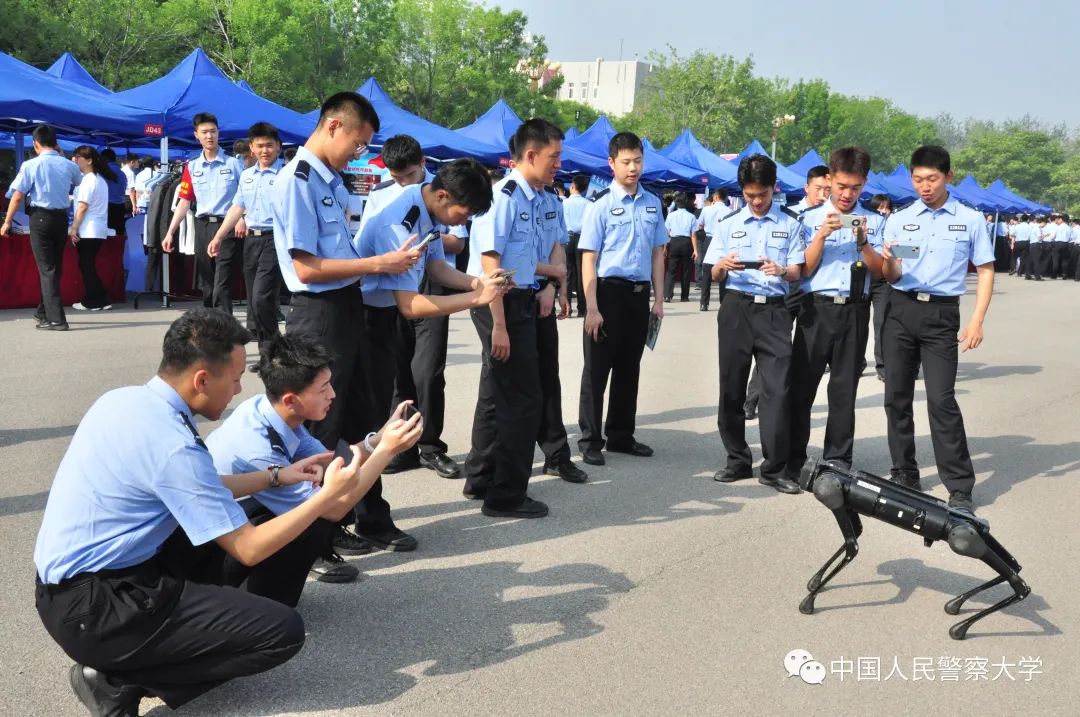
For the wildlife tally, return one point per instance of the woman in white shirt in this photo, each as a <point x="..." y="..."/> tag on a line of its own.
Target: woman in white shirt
<point x="90" y="227"/>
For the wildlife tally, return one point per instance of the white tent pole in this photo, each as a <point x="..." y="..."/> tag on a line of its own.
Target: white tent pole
<point x="165" y="256"/>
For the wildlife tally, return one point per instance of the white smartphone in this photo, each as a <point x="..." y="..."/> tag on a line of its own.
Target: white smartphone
<point x="852" y="221"/>
<point x="905" y="251"/>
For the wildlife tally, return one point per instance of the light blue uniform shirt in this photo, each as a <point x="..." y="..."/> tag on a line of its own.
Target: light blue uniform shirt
<point x="145" y="181"/>
<point x="309" y="210"/>
<point x="947" y="238"/>
<point x="574" y="211"/>
<point x="777" y="236"/>
<point x="680" y="223"/>
<point x="623" y="230"/>
<point x="118" y="187"/>
<point x="1061" y="233"/>
<point x="511" y="228"/>
<point x="1074" y="234"/>
<point x="386" y="232"/>
<point x="254" y="438"/>
<point x="255" y="195"/>
<point x="134" y="471"/>
<point x="1022" y="232"/>
<point x="707" y="217"/>
<point x="214" y="183"/>
<point x="552" y="226"/>
<point x="833" y="274"/>
<point x="48" y="179"/>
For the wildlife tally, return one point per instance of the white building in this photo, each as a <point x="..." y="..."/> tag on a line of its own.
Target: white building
<point x="610" y="87"/>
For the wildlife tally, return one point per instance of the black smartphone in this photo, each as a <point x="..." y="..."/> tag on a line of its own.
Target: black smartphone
<point x="751" y="264"/>
<point x="343" y="451"/>
<point x="410" y="411"/>
<point x="428" y="238"/>
<point x="507" y="275"/>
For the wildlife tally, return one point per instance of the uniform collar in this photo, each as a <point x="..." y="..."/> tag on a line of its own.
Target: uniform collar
<point x="522" y="184"/>
<point x="328" y="175"/>
<point x="272" y="169"/>
<point x="47" y="152"/>
<point x="167" y="393"/>
<point x="271" y="418"/>
<point x="219" y="158"/>
<point x="949" y="206"/>
<point x="745" y="215"/>
<point x="618" y="193"/>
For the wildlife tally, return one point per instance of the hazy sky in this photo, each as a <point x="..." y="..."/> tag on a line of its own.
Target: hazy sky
<point x="994" y="59"/>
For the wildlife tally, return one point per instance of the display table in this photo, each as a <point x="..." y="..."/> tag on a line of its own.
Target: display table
<point x="20" y="286"/>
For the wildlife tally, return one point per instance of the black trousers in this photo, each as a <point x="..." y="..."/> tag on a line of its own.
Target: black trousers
<point x="1022" y="250"/>
<point x="176" y="625"/>
<point x="1061" y="259"/>
<point x="117" y="213"/>
<point x="573" y="273"/>
<point x="761" y="332"/>
<point x="704" y="271"/>
<point x="205" y="265"/>
<point x="1034" y="260"/>
<point x="1075" y="249"/>
<point x="925" y="332"/>
<point x="625" y="308"/>
<point x="48" y="235"/>
<point x="337" y="320"/>
<point x="552" y="434"/>
<point x="95" y="296"/>
<point x="507" y="406"/>
<point x="262" y="277"/>
<point x="229" y="261"/>
<point x="879" y="300"/>
<point x="834" y="336"/>
<point x="1050" y="259"/>
<point x="680" y="257"/>
<point x="421" y="373"/>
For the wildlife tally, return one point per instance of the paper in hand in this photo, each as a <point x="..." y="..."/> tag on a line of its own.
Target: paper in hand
<point x="654" y="331"/>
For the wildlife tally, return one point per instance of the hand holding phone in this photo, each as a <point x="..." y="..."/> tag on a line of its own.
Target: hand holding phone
<point x="507" y="275"/>
<point x="852" y="221"/>
<point x="904" y="251"/>
<point x="751" y="264"/>
<point x="428" y="238"/>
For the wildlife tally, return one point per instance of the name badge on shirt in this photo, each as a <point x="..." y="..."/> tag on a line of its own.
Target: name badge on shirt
<point x="958" y="227"/>
<point x="618" y="211"/>
<point x="196" y="174"/>
<point x="225" y="171"/>
<point x="911" y="227"/>
<point x="328" y="201"/>
<point x="551" y="215"/>
<point x="249" y="180"/>
<point x="650" y="210"/>
<point x="780" y="235"/>
<point x="738" y="235"/>
<point x="870" y="232"/>
<point x="524" y="216"/>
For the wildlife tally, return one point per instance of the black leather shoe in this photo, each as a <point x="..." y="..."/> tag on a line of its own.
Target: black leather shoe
<point x="347" y="542"/>
<point x="703" y="307"/>
<point x="52" y="326"/>
<point x="880" y="374"/>
<point x="474" y="493"/>
<point x="730" y="475"/>
<point x="527" y="508"/>
<point x="634" y="449"/>
<point x="750" y="410"/>
<point x="334" y="569"/>
<point x="402" y="462"/>
<point x="908" y="479"/>
<point x="393" y="540"/>
<point x="442" y="464"/>
<point x="101" y="698"/>
<point x="568" y="472"/>
<point x="593" y="457"/>
<point x="961" y="500"/>
<point x="783" y="485"/>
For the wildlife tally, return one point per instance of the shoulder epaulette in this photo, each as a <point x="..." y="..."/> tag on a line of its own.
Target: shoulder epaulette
<point x="730" y="214"/>
<point x="302" y="169"/>
<point x="792" y="213"/>
<point x="599" y="194"/>
<point x="410" y="218"/>
<point x="509" y="187"/>
<point x="382" y="185"/>
<point x="276" y="441"/>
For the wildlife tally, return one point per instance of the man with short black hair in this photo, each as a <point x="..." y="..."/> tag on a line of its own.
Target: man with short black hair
<point x="210" y="180"/>
<point x="622" y="257"/>
<point x="938" y="236"/>
<point x="48" y="179"/>
<point x="140" y="533"/>
<point x="715" y="203"/>
<point x="573" y="213"/>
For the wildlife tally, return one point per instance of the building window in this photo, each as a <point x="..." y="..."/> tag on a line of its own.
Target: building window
<point x="595" y="92"/>
<point x="570" y="91"/>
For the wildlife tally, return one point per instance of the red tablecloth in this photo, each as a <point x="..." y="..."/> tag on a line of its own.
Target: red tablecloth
<point x="20" y="286"/>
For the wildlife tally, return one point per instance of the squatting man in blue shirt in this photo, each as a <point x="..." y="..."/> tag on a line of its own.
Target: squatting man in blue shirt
<point x="141" y="537"/>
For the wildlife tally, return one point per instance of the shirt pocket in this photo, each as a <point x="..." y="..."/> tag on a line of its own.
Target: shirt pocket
<point x="776" y="249"/>
<point x="518" y="245"/>
<point x="620" y="230"/>
<point x="960" y="249"/>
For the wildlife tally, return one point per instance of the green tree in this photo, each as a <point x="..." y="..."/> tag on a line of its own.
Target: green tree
<point x="809" y="102"/>
<point x="1023" y="156"/>
<point x="875" y="124"/>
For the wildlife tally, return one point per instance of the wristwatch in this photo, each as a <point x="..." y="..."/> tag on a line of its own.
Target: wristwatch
<point x="274" y="482"/>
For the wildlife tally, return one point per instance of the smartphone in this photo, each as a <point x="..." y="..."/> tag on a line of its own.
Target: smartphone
<point x="410" y="411"/>
<point x="507" y="275"/>
<point x="851" y="221"/>
<point x="905" y="251"/>
<point x="343" y="451"/>
<point x="428" y="238"/>
<point x="751" y="264"/>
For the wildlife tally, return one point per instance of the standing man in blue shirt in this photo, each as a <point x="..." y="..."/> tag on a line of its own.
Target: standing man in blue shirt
<point x="716" y="203"/>
<point x="508" y="402"/>
<point x="622" y="256"/>
<point x="210" y="180"/>
<point x="1022" y="245"/>
<point x="1061" y="241"/>
<point x="754" y="321"/>
<point x="48" y="179"/>
<point x="1035" y="257"/>
<point x="141" y="533"/>
<point x="252" y="210"/>
<point x="573" y="213"/>
<point x="833" y="326"/>
<point x="680" y="249"/>
<point x="321" y="266"/>
<point x="923" y="320"/>
<point x="1074" y="247"/>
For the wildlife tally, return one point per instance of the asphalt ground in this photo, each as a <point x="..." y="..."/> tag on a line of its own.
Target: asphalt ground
<point x="650" y="589"/>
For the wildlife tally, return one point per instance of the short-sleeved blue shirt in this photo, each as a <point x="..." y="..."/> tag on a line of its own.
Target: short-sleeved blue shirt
<point x="214" y="182"/>
<point x="48" y="179"/>
<point x="552" y="226"/>
<point x="255" y="195"/>
<point x="253" y="438"/>
<point x="623" y="230"/>
<point x="309" y="211"/>
<point x="574" y="211"/>
<point x="680" y="223"/>
<point x="117" y="187"/>
<point x="833" y="274"/>
<point x="134" y="471"/>
<point x="948" y="238"/>
<point x="511" y="229"/>
<point x="777" y="236"/>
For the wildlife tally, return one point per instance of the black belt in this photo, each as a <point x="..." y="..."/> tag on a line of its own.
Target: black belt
<point x="260" y="232"/>
<point x="636" y="286"/>
<point x="519" y="292"/>
<point x="841" y="300"/>
<point x="47" y="210"/>
<point x="681" y="236"/>
<point x="574" y="235"/>
<point x="355" y="286"/>
<point x="755" y="298"/>
<point x="923" y="296"/>
<point x="210" y="218"/>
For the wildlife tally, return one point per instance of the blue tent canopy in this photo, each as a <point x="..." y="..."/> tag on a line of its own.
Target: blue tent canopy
<point x="242" y="84"/>
<point x="658" y="168"/>
<point x="197" y="85"/>
<point x="807" y="162"/>
<point x="436" y="141"/>
<point x="898" y="193"/>
<point x="68" y="68"/>
<point x="29" y="96"/>
<point x="572" y="133"/>
<point x="789" y="182"/>
<point x="998" y="188"/>
<point x="688" y="150"/>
